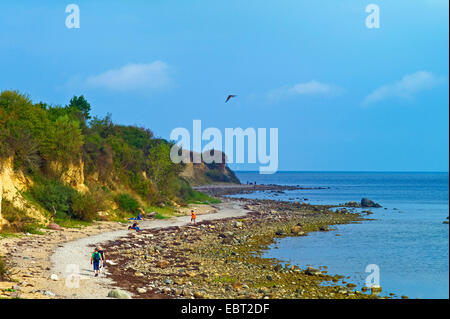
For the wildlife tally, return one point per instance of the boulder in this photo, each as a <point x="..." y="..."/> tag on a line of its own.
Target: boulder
<point x="199" y="295"/>
<point x="351" y="204"/>
<point x="167" y="281"/>
<point x="238" y="224"/>
<point x="151" y="214"/>
<point x="312" y="271"/>
<point x="296" y="229"/>
<point x="163" y="263"/>
<point x="118" y="294"/>
<point x="280" y="232"/>
<point x="141" y="290"/>
<point x="375" y="290"/>
<point x="237" y="285"/>
<point x="365" y="202"/>
<point x="54" y="226"/>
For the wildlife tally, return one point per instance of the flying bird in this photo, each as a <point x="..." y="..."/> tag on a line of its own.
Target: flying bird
<point x="229" y="97"/>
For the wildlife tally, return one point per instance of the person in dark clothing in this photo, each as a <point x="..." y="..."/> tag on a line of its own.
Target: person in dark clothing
<point x="102" y="260"/>
<point x="135" y="227"/>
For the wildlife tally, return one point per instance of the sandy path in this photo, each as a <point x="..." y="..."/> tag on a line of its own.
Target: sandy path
<point x="76" y="254"/>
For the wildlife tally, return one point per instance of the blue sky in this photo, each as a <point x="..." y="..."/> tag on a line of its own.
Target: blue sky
<point x="343" y="97"/>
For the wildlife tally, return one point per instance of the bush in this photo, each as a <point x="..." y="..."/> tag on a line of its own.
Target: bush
<point x="18" y="219"/>
<point x="127" y="203"/>
<point x="5" y="269"/>
<point x="54" y="196"/>
<point x="86" y="206"/>
<point x="185" y="192"/>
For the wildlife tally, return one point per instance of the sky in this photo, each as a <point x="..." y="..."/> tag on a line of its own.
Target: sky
<point x="343" y="96"/>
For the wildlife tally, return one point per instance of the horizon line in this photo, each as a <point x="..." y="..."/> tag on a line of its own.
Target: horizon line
<point x="343" y="171"/>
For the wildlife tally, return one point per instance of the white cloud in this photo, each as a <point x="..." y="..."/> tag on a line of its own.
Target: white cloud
<point x="308" y="88"/>
<point x="406" y="88"/>
<point x="152" y="75"/>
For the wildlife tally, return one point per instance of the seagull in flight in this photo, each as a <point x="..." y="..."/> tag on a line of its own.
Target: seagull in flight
<point x="229" y="97"/>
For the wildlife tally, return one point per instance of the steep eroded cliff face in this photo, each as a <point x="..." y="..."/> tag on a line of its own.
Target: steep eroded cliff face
<point x="12" y="184"/>
<point x="203" y="173"/>
<point x="70" y="174"/>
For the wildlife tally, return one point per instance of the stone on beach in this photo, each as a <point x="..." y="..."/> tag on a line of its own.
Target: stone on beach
<point x="163" y="263"/>
<point x="54" y="277"/>
<point x="141" y="290"/>
<point x="118" y="294"/>
<point x="54" y="226"/>
<point x="296" y="229"/>
<point x="313" y="271"/>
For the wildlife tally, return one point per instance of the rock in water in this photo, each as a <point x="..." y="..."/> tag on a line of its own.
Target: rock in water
<point x="280" y="232"/>
<point x="312" y="271"/>
<point x="375" y="290"/>
<point x="365" y="202"/>
<point x="118" y="294"/>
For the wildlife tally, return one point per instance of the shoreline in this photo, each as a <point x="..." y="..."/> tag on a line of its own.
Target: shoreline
<point x="222" y="259"/>
<point x="217" y="230"/>
<point x="36" y="258"/>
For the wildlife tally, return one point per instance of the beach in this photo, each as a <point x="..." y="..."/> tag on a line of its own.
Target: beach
<point x="219" y="257"/>
<point x="243" y="247"/>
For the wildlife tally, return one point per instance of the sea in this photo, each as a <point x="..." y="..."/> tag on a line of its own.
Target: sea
<point x="405" y="245"/>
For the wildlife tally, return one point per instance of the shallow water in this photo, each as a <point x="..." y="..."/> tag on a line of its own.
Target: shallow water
<point x="408" y="240"/>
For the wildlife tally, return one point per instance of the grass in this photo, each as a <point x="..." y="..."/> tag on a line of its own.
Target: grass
<point x="72" y="223"/>
<point x="32" y="229"/>
<point x="197" y="197"/>
<point x="162" y="212"/>
<point x="6" y="234"/>
<point x="160" y="216"/>
<point x="224" y="279"/>
<point x="18" y="220"/>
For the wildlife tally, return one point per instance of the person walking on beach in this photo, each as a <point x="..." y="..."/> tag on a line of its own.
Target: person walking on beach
<point x="193" y="216"/>
<point x="95" y="261"/>
<point x="102" y="260"/>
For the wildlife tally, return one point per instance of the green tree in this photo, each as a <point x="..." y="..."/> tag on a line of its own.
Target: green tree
<point x="82" y="105"/>
<point x="63" y="141"/>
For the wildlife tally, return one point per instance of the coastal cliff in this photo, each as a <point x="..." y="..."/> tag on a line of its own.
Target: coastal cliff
<point x="203" y="173"/>
<point x="58" y="163"/>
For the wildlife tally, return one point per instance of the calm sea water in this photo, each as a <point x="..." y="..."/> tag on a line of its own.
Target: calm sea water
<point x="408" y="240"/>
